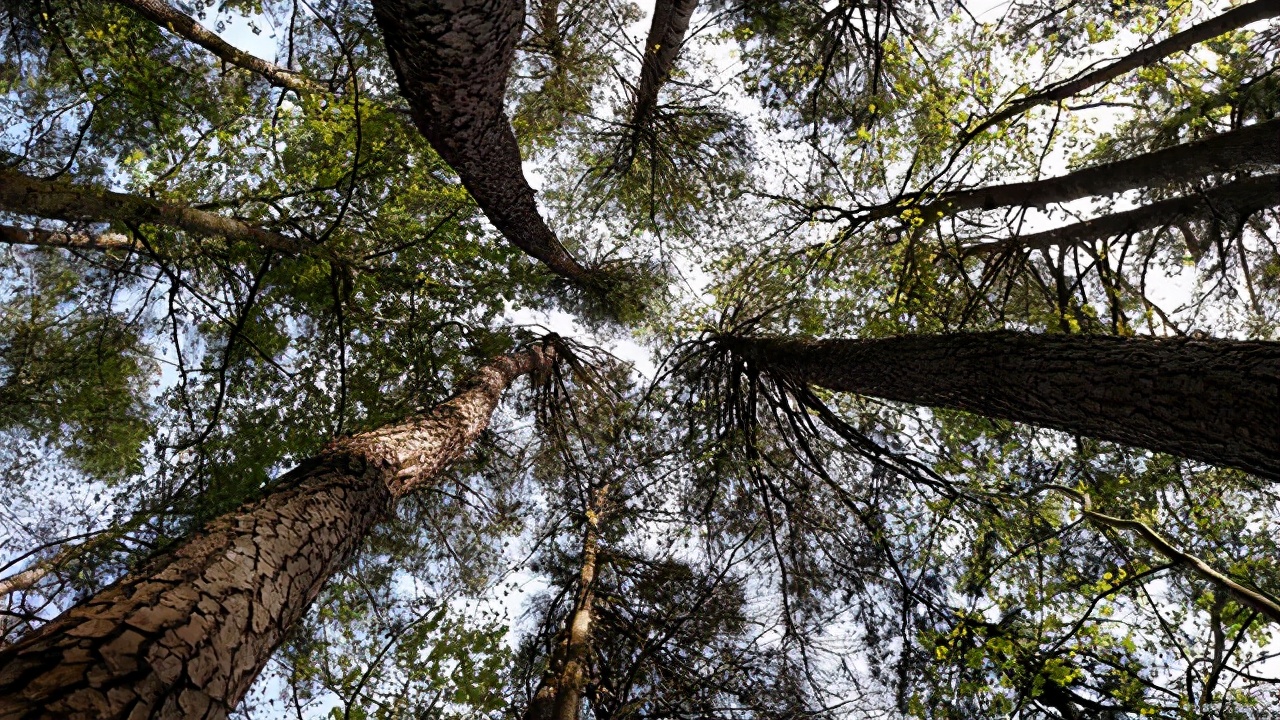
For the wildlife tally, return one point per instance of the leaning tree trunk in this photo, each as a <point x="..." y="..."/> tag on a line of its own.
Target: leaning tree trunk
<point x="559" y="693"/>
<point x="1257" y="145"/>
<point x="1230" y="204"/>
<point x="452" y="61"/>
<point x="666" y="34"/>
<point x="1233" y="19"/>
<point x="185" y="635"/>
<point x="1217" y="401"/>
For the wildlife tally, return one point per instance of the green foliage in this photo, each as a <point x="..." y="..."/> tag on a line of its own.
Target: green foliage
<point x="764" y="549"/>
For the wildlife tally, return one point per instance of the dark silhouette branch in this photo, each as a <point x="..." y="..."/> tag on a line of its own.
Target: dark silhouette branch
<point x="1231" y="203"/>
<point x="1232" y="19"/>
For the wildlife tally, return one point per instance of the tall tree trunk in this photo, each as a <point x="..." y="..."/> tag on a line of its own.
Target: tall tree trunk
<point x="666" y="35"/>
<point x="1211" y="400"/>
<point x="1233" y="19"/>
<point x="183" y="25"/>
<point x="1230" y="203"/>
<point x="559" y="694"/>
<point x="1253" y="146"/>
<point x="59" y="200"/>
<point x="452" y="61"/>
<point x="185" y="635"/>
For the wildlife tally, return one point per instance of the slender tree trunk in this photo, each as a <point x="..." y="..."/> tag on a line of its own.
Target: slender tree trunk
<point x="177" y="22"/>
<point x="185" y="635"/>
<point x="666" y="35"/>
<point x="452" y="61"/>
<point x="559" y="694"/>
<point x="1233" y="19"/>
<point x="60" y="200"/>
<point x="1253" y="146"/>
<point x="1211" y="400"/>
<point x="1230" y="203"/>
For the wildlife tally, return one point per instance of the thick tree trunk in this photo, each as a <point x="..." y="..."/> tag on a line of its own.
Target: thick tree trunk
<point x="1211" y="400"/>
<point x="1231" y="20"/>
<point x="185" y="636"/>
<point x="1229" y="203"/>
<point x="452" y="61"/>
<point x="60" y="200"/>
<point x="666" y="35"/>
<point x="559" y="694"/>
<point x="175" y="21"/>
<point x="1253" y="146"/>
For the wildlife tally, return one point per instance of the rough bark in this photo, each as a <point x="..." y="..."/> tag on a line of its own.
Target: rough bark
<point x="452" y="60"/>
<point x="59" y="200"/>
<point x="1231" y="203"/>
<point x="1231" y="20"/>
<point x="185" y="635"/>
<point x="560" y="691"/>
<point x="666" y="34"/>
<point x="177" y="22"/>
<point x="1210" y="400"/>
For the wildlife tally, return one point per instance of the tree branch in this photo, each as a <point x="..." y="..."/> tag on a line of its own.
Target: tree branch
<point x="60" y="200"/>
<point x="1255" y="599"/>
<point x="173" y="20"/>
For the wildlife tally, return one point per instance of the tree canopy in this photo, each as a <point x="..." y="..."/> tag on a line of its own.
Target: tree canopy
<point x="607" y="359"/>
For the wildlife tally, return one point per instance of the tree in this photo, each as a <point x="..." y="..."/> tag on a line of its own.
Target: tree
<point x="953" y="344"/>
<point x="190" y="631"/>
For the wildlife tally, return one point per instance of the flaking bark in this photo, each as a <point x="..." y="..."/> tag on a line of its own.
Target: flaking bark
<point x="185" y="635"/>
<point x="1210" y="400"/>
<point x="101" y="242"/>
<point x="452" y="61"/>
<point x="183" y="25"/>
<point x="59" y="200"/>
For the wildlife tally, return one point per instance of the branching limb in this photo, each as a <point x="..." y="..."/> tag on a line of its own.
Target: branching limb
<point x="1249" y="597"/>
<point x="175" y="21"/>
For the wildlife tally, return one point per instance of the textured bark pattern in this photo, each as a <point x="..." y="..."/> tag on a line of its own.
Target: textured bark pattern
<point x="78" y="203"/>
<point x="166" y="16"/>
<point x="1230" y="203"/>
<point x="1207" y="30"/>
<point x="666" y="35"/>
<point x="185" y="636"/>
<point x="452" y="60"/>
<point x="1210" y="400"/>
